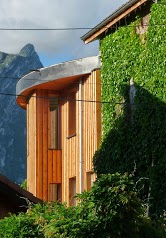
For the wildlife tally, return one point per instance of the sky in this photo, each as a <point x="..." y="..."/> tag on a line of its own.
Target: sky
<point x="52" y="46"/>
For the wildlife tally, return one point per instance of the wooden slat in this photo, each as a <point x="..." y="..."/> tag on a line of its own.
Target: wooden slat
<point x="90" y="121"/>
<point x="33" y="144"/>
<point x="50" y="170"/>
<point x="93" y="121"/>
<point x="59" y="166"/>
<point x="39" y="142"/>
<point x="73" y="157"/>
<point x="83" y="131"/>
<point x="86" y="123"/>
<point x="45" y="146"/>
<point x="63" y="146"/>
<point x="54" y="167"/>
<point x="77" y="145"/>
<point x="65" y="159"/>
<point x="49" y="155"/>
<point x="31" y="160"/>
<point x="27" y="122"/>
<point x="69" y="164"/>
<point x="28" y="146"/>
<point x="89" y="118"/>
<point x="64" y="149"/>
<point x="49" y="124"/>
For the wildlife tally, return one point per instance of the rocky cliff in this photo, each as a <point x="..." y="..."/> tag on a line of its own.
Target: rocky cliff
<point x="12" y="117"/>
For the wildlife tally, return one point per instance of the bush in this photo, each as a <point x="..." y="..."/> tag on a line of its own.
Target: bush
<point x="111" y="209"/>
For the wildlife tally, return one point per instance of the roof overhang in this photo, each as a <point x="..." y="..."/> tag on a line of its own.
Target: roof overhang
<point x="16" y="194"/>
<point x="55" y="77"/>
<point x="115" y="17"/>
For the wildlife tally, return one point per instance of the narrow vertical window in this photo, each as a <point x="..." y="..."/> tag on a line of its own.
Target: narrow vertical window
<point x="72" y="191"/>
<point x="55" y="192"/>
<point x="54" y="123"/>
<point x="90" y="180"/>
<point x="72" y="115"/>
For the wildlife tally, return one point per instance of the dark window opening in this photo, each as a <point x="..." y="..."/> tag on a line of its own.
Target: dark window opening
<point x="54" y="123"/>
<point x="55" y="192"/>
<point x="90" y="180"/>
<point x="72" y="191"/>
<point x="72" y="115"/>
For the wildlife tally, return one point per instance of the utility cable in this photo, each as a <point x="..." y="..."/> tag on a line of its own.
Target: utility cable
<point x="89" y="101"/>
<point x="73" y="28"/>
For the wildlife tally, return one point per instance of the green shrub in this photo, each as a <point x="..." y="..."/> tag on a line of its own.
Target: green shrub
<point x="111" y="209"/>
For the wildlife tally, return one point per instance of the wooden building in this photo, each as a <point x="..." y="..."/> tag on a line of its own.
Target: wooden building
<point x="13" y="199"/>
<point x="63" y="127"/>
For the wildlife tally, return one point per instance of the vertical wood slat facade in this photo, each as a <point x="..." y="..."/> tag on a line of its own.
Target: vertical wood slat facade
<point x="91" y="132"/>
<point x="91" y="123"/>
<point x="31" y="144"/>
<point x="43" y="164"/>
<point x="48" y="166"/>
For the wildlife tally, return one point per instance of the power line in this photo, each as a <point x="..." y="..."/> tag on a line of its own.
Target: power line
<point x="73" y="28"/>
<point x="46" y="29"/>
<point x="59" y="98"/>
<point x="90" y="101"/>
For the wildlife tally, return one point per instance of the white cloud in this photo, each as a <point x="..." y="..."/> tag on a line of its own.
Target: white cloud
<point x="52" y="14"/>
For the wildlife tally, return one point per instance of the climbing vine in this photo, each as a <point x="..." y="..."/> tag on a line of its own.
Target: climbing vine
<point x="133" y="75"/>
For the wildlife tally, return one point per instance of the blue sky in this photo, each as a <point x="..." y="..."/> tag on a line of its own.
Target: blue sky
<point x="52" y="46"/>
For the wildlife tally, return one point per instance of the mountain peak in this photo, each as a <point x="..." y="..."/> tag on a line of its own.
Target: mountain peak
<point x="12" y="118"/>
<point x="27" y="50"/>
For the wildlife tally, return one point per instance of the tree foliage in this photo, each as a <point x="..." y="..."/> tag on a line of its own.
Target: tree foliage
<point x="111" y="209"/>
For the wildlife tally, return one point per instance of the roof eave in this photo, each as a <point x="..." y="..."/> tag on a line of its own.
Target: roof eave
<point x="14" y="189"/>
<point x="55" y="74"/>
<point x="95" y="32"/>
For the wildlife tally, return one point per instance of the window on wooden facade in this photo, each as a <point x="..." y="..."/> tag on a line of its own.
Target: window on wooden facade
<point x="72" y="191"/>
<point x="90" y="180"/>
<point x="55" y="192"/>
<point x="72" y="115"/>
<point x="54" y="121"/>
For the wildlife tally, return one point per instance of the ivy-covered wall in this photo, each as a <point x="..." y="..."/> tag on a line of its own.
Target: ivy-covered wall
<point x="133" y="75"/>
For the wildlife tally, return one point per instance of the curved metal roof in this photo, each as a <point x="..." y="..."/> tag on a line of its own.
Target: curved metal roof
<point x="58" y="71"/>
